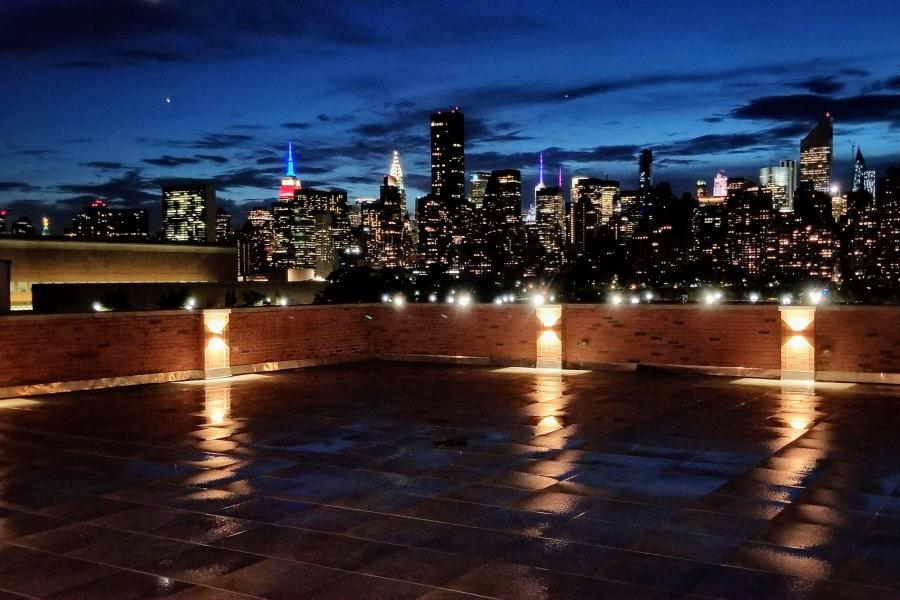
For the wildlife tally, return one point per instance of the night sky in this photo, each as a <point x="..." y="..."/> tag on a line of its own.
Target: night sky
<point x="708" y="85"/>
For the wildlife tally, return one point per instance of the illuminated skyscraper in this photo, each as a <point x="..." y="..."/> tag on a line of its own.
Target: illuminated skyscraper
<point x="503" y="220"/>
<point x="859" y="168"/>
<point x="720" y="185"/>
<point x="388" y="248"/>
<point x="289" y="183"/>
<point x="224" y="233"/>
<point x="448" y="179"/>
<point x="550" y="224"/>
<point x="645" y="170"/>
<point x="255" y="243"/>
<point x="3" y="214"/>
<point x="477" y="184"/>
<point x="396" y="171"/>
<point x="752" y="236"/>
<point x="888" y="209"/>
<point x="701" y="189"/>
<point x="189" y="212"/>
<point x="862" y="179"/>
<point x="98" y="222"/>
<point x="779" y="181"/>
<point x="23" y="227"/>
<point x="816" y="151"/>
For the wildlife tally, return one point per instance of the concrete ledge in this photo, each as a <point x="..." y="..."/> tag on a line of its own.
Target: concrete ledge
<point x="282" y="365"/>
<point x="57" y="387"/>
<point x="852" y="377"/>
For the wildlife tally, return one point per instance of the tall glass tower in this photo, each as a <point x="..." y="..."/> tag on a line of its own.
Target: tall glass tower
<point x="816" y="152"/>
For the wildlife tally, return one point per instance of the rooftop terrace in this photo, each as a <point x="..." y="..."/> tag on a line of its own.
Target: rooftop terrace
<point x="398" y="480"/>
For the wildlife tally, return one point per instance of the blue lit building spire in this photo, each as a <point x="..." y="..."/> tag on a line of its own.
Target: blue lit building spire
<point x="289" y="172"/>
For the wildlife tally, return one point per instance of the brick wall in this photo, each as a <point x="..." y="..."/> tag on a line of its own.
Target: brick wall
<point x="858" y="339"/>
<point x="42" y="349"/>
<point x="719" y="336"/>
<point x="506" y="334"/>
<point x="260" y="335"/>
<point x="59" y="348"/>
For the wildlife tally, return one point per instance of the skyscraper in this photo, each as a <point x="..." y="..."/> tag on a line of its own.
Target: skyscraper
<point x="752" y="237"/>
<point x="503" y="220"/>
<point x="550" y="224"/>
<point x="448" y="179"/>
<point x="388" y="239"/>
<point x="224" y="233"/>
<point x="290" y="183"/>
<point x="779" y="181"/>
<point x="3" y="214"/>
<point x="645" y="170"/>
<point x="396" y="171"/>
<point x="816" y="151"/>
<point x="859" y="168"/>
<point x="477" y="184"/>
<point x="539" y="186"/>
<point x="701" y="189"/>
<point x="255" y="243"/>
<point x="862" y="179"/>
<point x="720" y="185"/>
<point x="99" y="222"/>
<point x="189" y="212"/>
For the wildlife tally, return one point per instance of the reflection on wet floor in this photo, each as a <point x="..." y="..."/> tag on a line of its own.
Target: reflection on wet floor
<point x="329" y="483"/>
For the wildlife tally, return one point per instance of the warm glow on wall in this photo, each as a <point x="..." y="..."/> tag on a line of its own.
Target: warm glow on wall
<point x="549" y="315"/>
<point x="216" y="324"/>
<point x="216" y="350"/>
<point x="549" y="351"/>
<point x="798" y="319"/>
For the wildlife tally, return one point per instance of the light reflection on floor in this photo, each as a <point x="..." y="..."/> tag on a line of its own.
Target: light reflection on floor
<point x="385" y="480"/>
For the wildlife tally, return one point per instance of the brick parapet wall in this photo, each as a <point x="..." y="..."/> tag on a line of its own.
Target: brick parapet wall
<point x="51" y="348"/>
<point x="39" y="349"/>
<point x="301" y="333"/>
<point x="500" y="334"/>
<point x="722" y="336"/>
<point x="858" y="339"/>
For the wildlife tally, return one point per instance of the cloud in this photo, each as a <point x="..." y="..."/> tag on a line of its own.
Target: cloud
<point x="214" y="158"/>
<point x="296" y="125"/>
<point x="171" y="161"/>
<point x="17" y="186"/>
<point x="820" y="85"/>
<point x="103" y="164"/>
<point x="220" y="141"/>
<point x="129" y="187"/>
<point x="105" y="33"/>
<point x="807" y="108"/>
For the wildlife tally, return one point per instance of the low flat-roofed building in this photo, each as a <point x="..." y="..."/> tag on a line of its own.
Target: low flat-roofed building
<point x="42" y="260"/>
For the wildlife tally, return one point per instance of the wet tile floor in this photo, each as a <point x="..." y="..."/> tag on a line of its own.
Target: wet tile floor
<point x="327" y="483"/>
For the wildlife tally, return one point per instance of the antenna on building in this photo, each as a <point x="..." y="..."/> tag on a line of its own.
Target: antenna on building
<point x="559" y="179"/>
<point x="541" y="171"/>
<point x="289" y="172"/>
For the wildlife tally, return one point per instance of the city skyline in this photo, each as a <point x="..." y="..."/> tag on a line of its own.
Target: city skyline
<point x="132" y="118"/>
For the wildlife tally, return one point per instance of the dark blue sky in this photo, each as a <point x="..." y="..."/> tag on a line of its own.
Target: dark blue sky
<point x="708" y="85"/>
